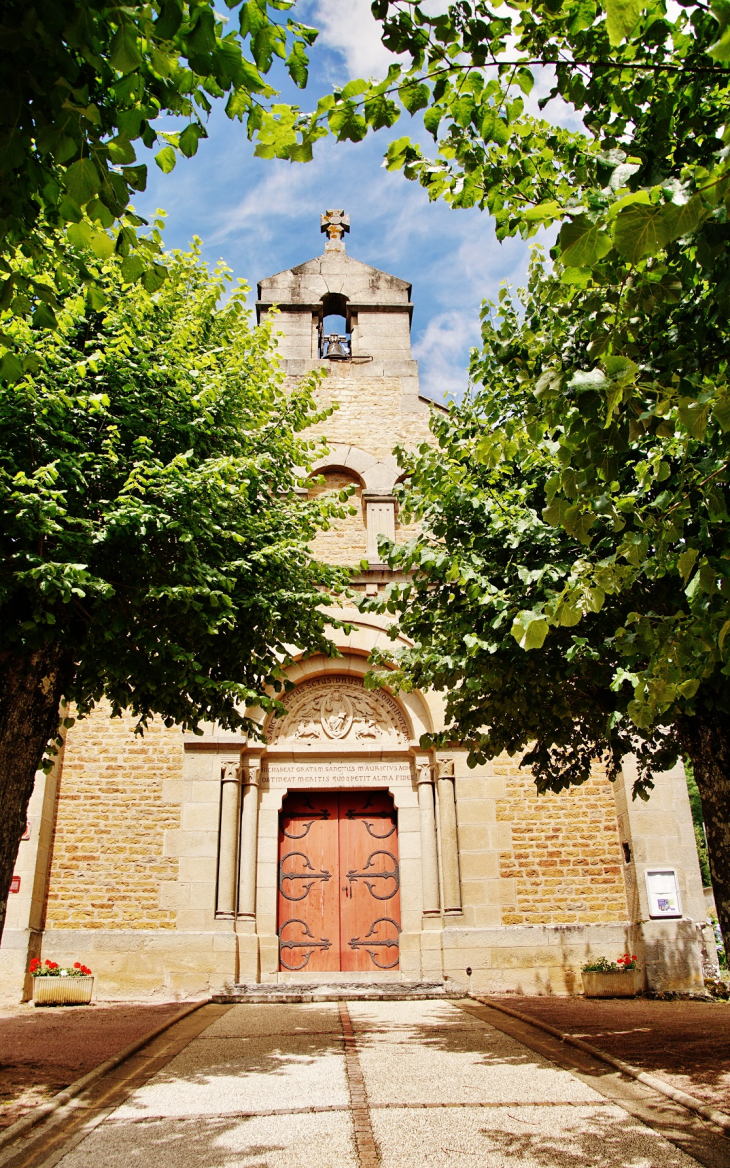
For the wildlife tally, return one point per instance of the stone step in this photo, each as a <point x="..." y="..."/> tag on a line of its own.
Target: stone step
<point x="338" y="992"/>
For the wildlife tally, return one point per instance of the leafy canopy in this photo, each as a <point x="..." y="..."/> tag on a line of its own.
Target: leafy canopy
<point x="82" y="84"/>
<point x="151" y="529"/>
<point x="571" y="586"/>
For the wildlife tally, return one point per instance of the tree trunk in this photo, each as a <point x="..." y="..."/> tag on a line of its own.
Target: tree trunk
<point x="706" y="739"/>
<point x="30" y="696"/>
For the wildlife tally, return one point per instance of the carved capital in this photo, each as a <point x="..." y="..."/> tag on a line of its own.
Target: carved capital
<point x="252" y="772"/>
<point x="230" y="772"/>
<point x="446" y="768"/>
<point x="424" y="770"/>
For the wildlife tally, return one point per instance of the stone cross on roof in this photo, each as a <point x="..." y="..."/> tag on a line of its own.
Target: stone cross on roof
<point x="335" y="224"/>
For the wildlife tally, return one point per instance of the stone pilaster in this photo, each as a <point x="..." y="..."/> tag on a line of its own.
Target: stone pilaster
<point x="429" y="857"/>
<point x="449" y="840"/>
<point x="228" y="840"/>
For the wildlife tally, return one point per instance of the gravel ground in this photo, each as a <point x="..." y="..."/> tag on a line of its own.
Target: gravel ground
<point x="44" y="1049"/>
<point x="272" y="1087"/>
<point x="687" y="1043"/>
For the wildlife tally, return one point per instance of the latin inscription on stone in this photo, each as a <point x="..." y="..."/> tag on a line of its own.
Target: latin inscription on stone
<point x="335" y="774"/>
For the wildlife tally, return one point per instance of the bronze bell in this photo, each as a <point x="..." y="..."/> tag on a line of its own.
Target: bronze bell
<point x="335" y="350"/>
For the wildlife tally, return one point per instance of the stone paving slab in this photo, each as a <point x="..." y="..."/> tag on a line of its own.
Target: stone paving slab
<point x="396" y="1084"/>
<point x="277" y="1019"/>
<point x="301" y="1141"/>
<point x="215" y="1076"/>
<point x="454" y="1058"/>
<point x="522" y="1137"/>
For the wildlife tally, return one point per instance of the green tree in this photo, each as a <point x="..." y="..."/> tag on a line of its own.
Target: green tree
<point x="571" y="586"/>
<point x="153" y="547"/>
<point x="82" y="83"/>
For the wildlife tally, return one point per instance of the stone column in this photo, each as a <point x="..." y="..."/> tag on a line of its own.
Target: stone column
<point x="228" y="840"/>
<point x="449" y="841"/>
<point x="429" y="859"/>
<point x="249" y="838"/>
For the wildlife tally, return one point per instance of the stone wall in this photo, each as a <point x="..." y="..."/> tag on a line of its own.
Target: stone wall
<point x="565" y="854"/>
<point x="346" y="540"/>
<point x="108" y="860"/>
<point x="529" y="859"/>
<point x="370" y="414"/>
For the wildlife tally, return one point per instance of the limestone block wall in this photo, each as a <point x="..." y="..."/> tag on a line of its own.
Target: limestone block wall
<point x="369" y="415"/>
<point x="660" y="833"/>
<point x="564" y="857"/>
<point x="541" y="879"/>
<point x="384" y="335"/>
<point x="108" y="854"/>
<point x="346" y="540"/>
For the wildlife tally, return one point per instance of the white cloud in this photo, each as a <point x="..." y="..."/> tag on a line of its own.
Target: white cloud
<point x="349" y="28"/>
<point x="441" y="353"/>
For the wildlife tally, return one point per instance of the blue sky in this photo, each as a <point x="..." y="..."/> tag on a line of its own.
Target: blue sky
<point x="263" y="216"/>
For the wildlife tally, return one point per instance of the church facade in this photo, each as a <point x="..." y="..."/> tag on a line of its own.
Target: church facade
<point x="338" y="849"/>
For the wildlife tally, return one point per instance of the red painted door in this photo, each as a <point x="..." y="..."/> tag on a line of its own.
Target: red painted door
<point x="369" y="881"/>
<point x="309" y="906"/>
<point x="339" y="882"/>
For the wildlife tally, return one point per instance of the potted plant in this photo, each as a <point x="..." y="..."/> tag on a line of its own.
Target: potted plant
<point x="54" y="986"/>
<point x="612" y="979"/>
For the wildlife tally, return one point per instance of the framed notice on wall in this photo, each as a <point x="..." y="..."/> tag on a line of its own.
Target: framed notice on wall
<point x="662" y="889"/>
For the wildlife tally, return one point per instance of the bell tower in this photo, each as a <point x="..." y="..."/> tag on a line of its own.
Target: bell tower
<point x="373" y="307"/>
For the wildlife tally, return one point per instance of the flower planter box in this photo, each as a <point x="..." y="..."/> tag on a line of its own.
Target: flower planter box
<point x="62" y="991"/>
<point x="624" y="984"/>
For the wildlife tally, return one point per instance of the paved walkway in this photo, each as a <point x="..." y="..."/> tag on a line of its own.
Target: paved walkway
<point x="334" y="1085"/>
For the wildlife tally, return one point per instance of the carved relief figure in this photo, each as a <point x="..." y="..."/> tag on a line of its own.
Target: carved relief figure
<point x="336" y="714"/>
<point x="339" y="709"/>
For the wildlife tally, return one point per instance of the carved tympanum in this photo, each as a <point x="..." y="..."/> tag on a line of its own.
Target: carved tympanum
<point x="334" y="709"/>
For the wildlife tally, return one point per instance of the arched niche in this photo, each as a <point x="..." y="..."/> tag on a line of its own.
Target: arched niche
<point x="345" y="540"/>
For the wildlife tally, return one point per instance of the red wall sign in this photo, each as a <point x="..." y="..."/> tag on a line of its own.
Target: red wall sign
<point x="15" y="884"/>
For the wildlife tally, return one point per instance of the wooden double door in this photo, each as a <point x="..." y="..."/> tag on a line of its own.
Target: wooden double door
<point x="339" y="882"/>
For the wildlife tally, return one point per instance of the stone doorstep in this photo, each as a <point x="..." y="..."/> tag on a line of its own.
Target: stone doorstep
<point x="343" y="992"/>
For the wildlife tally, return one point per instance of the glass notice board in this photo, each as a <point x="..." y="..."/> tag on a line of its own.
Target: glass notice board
<point x="662" y="889"/>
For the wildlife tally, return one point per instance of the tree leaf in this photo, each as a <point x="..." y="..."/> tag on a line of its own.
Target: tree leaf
<point x="44" y="317"/>
<point x="166" y="159"/>
<point x="529" y="629"/>
<point x="190" y="137"/>
<point x="582" y="243"/>
<point x="621" y="19"/>
<point x="132" y="268"/>
<point x="640" y="230"/>
<point x="297" y="63"/>
<point x="721" y="413"/>
<point x="82" y="181"/>
<point x="679" y="220"/>
<point x="414" y="96"/>
<point x="102" y="245"/>
<point x="124" y="53"/>
<point x="693" y="415"/>
<point x="10" y="368"/>
<point x="169" y="20"/>
<point x="686" y="562"/>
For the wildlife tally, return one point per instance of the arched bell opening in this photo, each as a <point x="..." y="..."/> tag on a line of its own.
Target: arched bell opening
<point x="335" y="326"/>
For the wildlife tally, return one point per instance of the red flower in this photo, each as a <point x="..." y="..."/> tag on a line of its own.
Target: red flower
<point x="77" y="965"/>
<point x="34" y="965"/>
